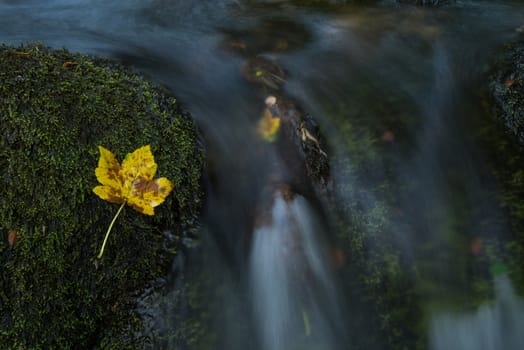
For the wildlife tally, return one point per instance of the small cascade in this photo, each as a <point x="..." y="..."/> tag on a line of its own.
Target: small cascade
<point x="293" y="295"/>
<point x="492" y="327"/>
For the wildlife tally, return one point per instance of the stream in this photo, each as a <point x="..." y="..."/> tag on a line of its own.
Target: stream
<point x="395" y="90"/>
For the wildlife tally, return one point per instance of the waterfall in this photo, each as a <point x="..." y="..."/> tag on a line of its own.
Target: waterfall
<point x="293" y="295"/>
<point x="495" y="326"/>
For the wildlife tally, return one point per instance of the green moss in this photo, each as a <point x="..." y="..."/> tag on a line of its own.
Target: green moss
<point x="398" y="269"/>
<point x="54" y="292"/>
<point x="505" y="156"/>
<point x="379" y="281"/>
<point x="507" y="88"/>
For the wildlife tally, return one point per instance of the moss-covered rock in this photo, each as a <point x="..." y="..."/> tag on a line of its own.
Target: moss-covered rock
<point x="502" y="135"/>
<point x="507" y="88"/>
<point x="395" y="266"/>
<point x="55" y="109"/>
<point x="379" y="281"/>
<point x="507" y="153"/>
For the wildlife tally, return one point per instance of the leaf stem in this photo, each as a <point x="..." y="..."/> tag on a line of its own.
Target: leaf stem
<point x="109" y="229"/>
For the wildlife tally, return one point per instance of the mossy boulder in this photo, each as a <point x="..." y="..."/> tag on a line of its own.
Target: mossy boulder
<point x="55" y="109"/>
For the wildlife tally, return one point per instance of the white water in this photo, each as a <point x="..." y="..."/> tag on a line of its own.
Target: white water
<point x="292" y="291"/>
<point x="497" y="326"/>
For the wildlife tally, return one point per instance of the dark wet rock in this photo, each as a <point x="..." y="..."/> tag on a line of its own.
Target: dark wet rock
<point x="334" y="3"/>
<point x="264" y="72"/>
<point x="55" y="109"/>
<point x="303" y="148"/>
<point x="299" y="141"/>
<point x="507" y="89"/>
<point x="309" y="3"/>
<point x="268" y="35"/>
<point x="426" y="2"/>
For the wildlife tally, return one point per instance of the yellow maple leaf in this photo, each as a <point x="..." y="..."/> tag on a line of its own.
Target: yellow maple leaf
<point x="131" y="183"/>
<point x="268" y="126"/>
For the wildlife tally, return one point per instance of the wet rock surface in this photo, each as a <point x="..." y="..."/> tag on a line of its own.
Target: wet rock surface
<point x="507" y="89"/>
<point x="269" y="35"/>
<point x="263" y="72"/>
<point x="298" y="140"/>
<point x="425" y="2"/>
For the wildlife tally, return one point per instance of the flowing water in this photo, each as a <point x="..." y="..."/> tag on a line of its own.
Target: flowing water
<point x="395" y="90"/>
<point x="495" y="326"/>
<point x="293" y="294"/>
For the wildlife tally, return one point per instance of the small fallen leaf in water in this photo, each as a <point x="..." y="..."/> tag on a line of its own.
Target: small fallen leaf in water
<point x="12" y="238"/>
<point x="237" y="44"/>
<point x="268" y="126"/>
<point x="131" y="183"/>
<point x="510" y="82"/>
<point x="337" y="258"/>
<point x="476" y="246"/>
<point x="307" y="325"/>
<point x="70" y="64"/>
<point x="387" y="136"/>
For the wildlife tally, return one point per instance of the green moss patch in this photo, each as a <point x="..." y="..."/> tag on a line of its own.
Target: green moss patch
<point x="55" y="109"/>
<point x="398" y="270"/>
<point x="507" y="89"/>
<point x="502" y="136"/>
